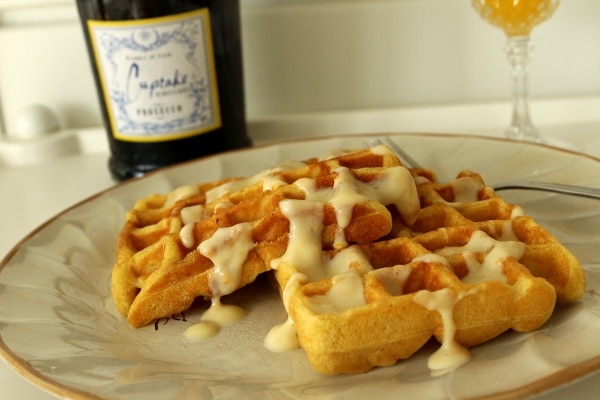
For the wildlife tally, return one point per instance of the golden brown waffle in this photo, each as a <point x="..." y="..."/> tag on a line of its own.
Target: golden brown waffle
<point x="171" y="248"/>
<point x="371" y="259"/>
<point x="470" y="267"/>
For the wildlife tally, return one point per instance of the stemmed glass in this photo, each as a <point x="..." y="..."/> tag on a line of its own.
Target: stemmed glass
<point x="517" y="18"/>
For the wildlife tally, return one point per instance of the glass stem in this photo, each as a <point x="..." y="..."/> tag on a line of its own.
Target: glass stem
<point x="519" y="51"/>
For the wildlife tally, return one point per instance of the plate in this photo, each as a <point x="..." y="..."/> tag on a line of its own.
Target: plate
<point x="60" y="329"/>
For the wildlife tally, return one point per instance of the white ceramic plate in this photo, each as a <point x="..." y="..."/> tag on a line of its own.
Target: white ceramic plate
<point x="59" y="328"/>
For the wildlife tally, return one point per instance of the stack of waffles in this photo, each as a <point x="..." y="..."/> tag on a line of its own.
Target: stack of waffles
<point x="371" y="259"/>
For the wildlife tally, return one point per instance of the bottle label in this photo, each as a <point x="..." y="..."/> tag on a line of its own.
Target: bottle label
<point x="158" y="76"/>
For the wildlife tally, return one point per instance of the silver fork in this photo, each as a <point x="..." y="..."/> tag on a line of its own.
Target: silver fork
<point x="573" y="190"/>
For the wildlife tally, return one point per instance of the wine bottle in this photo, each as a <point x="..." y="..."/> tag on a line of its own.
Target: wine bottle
<point x="169" y="77"/>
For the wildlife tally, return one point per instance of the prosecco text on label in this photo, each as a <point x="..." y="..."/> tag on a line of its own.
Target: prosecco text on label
<point x="161" y="110"/>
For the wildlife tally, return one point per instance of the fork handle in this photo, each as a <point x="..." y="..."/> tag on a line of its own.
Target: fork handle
<point x="573" y="190"/>
<point x="581" y="191"/>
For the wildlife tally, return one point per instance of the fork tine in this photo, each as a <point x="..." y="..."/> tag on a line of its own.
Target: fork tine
<point x="406" y="159"/>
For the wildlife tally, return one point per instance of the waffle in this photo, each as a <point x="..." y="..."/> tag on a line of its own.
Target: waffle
<point x="169" y="251"/>
<point x="371" y="259"/>
<point x="469" y="268"/>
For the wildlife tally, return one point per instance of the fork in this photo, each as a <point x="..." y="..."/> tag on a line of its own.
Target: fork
<point x="573" y="190"/>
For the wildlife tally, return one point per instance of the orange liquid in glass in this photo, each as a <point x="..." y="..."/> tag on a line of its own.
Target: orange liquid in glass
<point x="515" y="17"/>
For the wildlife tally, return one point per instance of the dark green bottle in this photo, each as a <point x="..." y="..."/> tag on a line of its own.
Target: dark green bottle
<point x="169" y="77"/>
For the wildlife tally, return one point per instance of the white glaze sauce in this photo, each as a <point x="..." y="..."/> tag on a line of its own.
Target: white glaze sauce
<point x="304" y="249"/>
<point x="189" y="216"/>
<point x="466" y="189"/>
<point x="217" y="316"/>
<point x="450" y="355"/>
<point x="495" y="254"/>
<point x="346" y="292"/>
<point x="180" y="193"/>
<point x="228" y="248"/>
<point x="283" y="337"/>
<point x="394" y="278"/>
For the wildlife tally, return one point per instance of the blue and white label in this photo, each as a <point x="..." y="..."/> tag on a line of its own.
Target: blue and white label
<point x="158" y="76"/>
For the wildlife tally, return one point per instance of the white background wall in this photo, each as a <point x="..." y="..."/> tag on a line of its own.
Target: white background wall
<point x="318" y="55"/>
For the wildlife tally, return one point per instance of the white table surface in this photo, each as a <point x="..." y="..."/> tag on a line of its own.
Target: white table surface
<point x="32" y="193"/>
